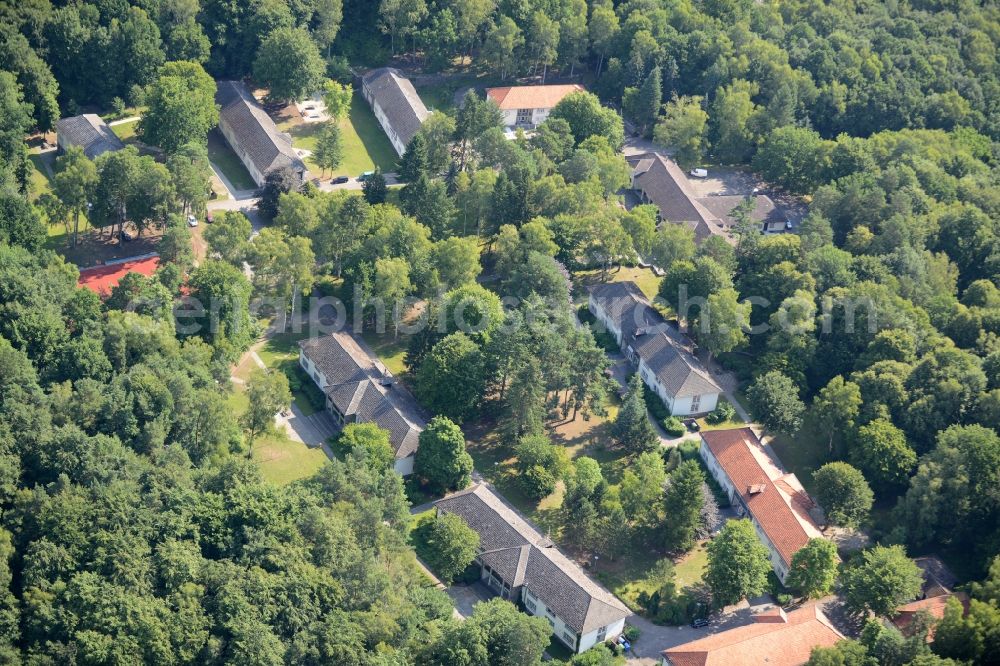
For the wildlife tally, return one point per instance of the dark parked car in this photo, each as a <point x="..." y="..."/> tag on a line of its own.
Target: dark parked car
<point x="365" y="176"/>
<point x="339" y="180"/>
<point x="692" y="425"/>
<point x="699" y="623"/>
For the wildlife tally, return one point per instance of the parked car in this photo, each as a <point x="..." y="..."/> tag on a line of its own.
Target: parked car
<point x="699" y="173"/>
<point x="692" y="425"/>
<point x="699" y="623"/>
<point x="192" y="221"/>
<point x="365" y="176"/>
<point x="339" y="180"/>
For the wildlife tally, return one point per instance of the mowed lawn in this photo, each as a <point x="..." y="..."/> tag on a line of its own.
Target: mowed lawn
<point x="643" y="277"/>
<point x="39" y="181"/>
<point x="224" y="159"/>
<point x="365" y="144"/>
<point x="283" y="460"/>
<point x="125" y="131"/>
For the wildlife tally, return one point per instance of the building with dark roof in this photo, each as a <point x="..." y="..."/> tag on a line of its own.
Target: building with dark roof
<point x="773" y="500"/>
<point x="252" y="134"/>
<point x="89" y="132"/>
<point x="522" y="565"/>
<point x="774" y="638"/>
<point x="359" y="389"/>
<point x="396" y="104"/>
<point x="662" y="356"/>
<point x="658" y="180"/>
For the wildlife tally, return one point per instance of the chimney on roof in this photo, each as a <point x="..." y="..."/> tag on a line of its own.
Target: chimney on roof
<point x="385" y="378"/>
<point x="756" y="489"/>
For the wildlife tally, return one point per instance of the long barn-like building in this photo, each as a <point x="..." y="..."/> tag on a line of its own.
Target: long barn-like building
<point x="252" y="134"/>
<point x="396" y="105"/>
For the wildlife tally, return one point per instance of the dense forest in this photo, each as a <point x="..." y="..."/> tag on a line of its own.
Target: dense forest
<point x="135" y="530"/>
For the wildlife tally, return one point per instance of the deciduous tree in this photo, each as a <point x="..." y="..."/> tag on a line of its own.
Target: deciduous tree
<point x="448" y="544"/>
<point x="329" y="152"/>
<point x="180" y="107"/>
<point x="372" y="441"/>
<point x="441" y="460"/>
<point x="683" y="128"/>
<point x="843" y="493"/>
<point x="289" y="64"/>
<point x="737" y="564"/>
<point x="774" y="400"/>
<point x="880" y="581"/>
<point x="814" y="568"/>
<point x="540" y="465"/>
<point x="267" y="394"/>
<point x="450" y="379"/>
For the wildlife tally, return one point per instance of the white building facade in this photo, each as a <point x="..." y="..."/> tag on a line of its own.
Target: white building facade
<point x="773" y="500"/>
<point x="358" y="389"/>
<point x="658" y="353"/>
<point x="528" y="107"/>
<point x="520" y="565"/>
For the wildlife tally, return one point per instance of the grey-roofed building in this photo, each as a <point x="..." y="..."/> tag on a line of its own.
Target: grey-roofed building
<point x="396" y="104"/>
<point x="359" y="389"/>
<point x="662" y="356"/>
<point x="522" y="565"/>
<point x="88" y="131"/>
<point x="768" y="217"/>
<point x="660" y="181"/>
<point x="252" y="134"/>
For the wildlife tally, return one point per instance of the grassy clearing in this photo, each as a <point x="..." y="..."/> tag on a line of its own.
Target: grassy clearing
<point x="438" y="97"/>
<point x="283" y="460"/>
<point x="391" y="350"/>
<point x="634" y="573"/>
<point x="643" y="277"/>
<point x="281" y="352"/>
<point x="365" y="144"/>
<point x="804" y="452"/>
<point x="222" y="156"/>
<point x="495" y="460"/>
<point x="39" y="181"/>
<point x="126" y="131"/>
<point x="734" y="422"/>
<point x="628" y="576"/>
<point x="691" y="568"/>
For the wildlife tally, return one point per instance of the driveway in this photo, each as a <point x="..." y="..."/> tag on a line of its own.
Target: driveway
<point x="464" y="597"/>
<point x="654" y="638"/>
<point x="312" y="430"/>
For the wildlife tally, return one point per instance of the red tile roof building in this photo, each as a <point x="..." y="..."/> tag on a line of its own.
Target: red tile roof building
<point x="758" y="488"/>
<point x="774" y="638"/>
<point x="528" y="106"/>
<point x="102" y="279"/>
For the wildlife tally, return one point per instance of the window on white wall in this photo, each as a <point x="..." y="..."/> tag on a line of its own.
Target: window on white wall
<point x="695" y="403"/>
